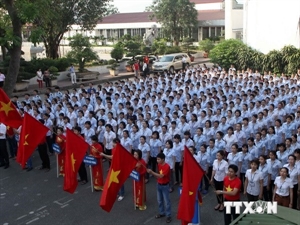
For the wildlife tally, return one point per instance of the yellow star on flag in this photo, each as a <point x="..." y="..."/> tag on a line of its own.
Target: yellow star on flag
<point x="114" y="177"/>
<point x="228" y="188"/>
<point x="73" y="160"/>
<point x="25" y="142"/>
<point x="191" y="193"/>
<point x="6" y="107"/>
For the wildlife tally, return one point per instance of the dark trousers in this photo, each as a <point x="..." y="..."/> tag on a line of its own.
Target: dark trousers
<point x="1" y="84"/>
<point x="12" y="143"/>
<point x="265" y="194"/>
<point x="153" y="163"/>
<point x="219" y="185"/>
<point x="209" y="173"/>
<point x="270" y="192"/>
<point x="252" y="198"/>
<point x="4" y="159"/>
<point x="295" y="196"/>
<point x="47" y="82"/>
<point x="242" y="177"/>
<point x="108" y="152"/>
<point x="82" y="172"/>
<point x="49" y="143"/>
<point x="206" y="183"/>
<point x="178" y="169"/>
<point x="228" y="218"/>
<point x="42" y="148"/>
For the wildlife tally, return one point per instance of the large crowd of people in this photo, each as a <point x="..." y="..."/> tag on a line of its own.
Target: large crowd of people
<point x="225" y="118"/>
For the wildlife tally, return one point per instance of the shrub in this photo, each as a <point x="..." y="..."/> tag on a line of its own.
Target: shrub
<point x="25" y="76"/>
<point x="173" y="49"/>
<point x="111" y="61"/>
<point x="206" y="45"/>
<point x="117" y="53"/>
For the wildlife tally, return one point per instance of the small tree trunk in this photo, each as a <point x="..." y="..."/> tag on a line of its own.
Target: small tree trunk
<point x="13" y="70"/>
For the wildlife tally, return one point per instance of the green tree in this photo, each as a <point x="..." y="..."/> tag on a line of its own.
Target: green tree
<point x="225" y="53"/>
<point x="178" y="17"/>
<point x="110" y="10"/>
<point x="81" y="51"/>
<point x="206" y="45"/>
<point x="14" y="15"/>
<point x="59" y="18"/>
<point x="117" y="52"/>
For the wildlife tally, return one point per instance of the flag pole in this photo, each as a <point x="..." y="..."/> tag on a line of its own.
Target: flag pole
<point x="91" y="175"/>
<point x="134" y="195"/>
<point x="57" y="166"/>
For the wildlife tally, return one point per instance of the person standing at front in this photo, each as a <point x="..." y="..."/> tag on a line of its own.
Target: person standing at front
<point x="163" y="195"/>
<point x="4" y="160"/>
<point x="231" y="192"/>
<point x="73" y="74"/>
<point x="283" y="191"/>
<point x="253" y="182"/>
<point x="2" y="79"/>
<point x="220" y="169"/>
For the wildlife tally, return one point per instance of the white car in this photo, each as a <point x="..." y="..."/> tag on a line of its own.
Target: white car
<point x="171" y="62"/>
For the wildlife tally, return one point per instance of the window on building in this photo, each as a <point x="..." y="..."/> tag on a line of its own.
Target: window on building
<point x="129" y="32"/>
<point x="212" y="32"/>
<point x="219" y="31"/>
<point x="121" y="32"/>
<point x="205" y="33"/>
<point x="143" y="31"/>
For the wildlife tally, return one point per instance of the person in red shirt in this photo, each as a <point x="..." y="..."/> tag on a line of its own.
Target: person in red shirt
<point x="140" y="186"/>
<point x="61" y="142"/>
<point x="97" y="170"/>
<point x="231" y="191"/>
<point x="163" y="186"/>
<point x="136" y="67"/>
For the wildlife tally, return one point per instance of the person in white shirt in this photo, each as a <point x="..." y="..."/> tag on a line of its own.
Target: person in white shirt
<point x="294" y="174"/>
<point x="229" y="139"/>
<point x="2" y="79"/>
<point x="178" y="149"/>
<point x="3" y="147"/>
<point x="253" y="182"/>
<point x="88" y="132"/>
<point x="203" y="160"/>
<point x="49" y="124"/>
<point x="126" y="142"/>
<point x="109" y="136"/>
<point x="263" y="168"/>
<point x="170" y="160"/>
<point x="220" y="169"/>
<point x="283" y="191"/>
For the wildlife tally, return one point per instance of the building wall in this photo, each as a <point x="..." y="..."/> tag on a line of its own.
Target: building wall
<point x="233" y="20"/>
<point x="271" y="24"/>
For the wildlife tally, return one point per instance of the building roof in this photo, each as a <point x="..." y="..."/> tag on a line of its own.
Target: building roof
<point x="143" y="17"/>
<point x="206" y="1"/>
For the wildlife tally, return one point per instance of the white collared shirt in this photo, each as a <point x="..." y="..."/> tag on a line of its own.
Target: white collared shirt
<point x="253" y="187"/>
<point x="3" y="131"/>
<point x="283" y="186"/>
<point x="109" y="137"/>
<point x="221" y="169"/>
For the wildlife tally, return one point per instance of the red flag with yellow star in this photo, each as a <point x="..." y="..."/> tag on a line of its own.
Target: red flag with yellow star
<point x="121" y="166"/>
<point x="192" y="176"/>
<point x="9" y="115"/>
<point x="76" y="148"/>
<point x="32" y="133"/>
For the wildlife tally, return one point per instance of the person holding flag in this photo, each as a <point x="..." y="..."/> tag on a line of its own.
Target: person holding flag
<point x="97" y="170"/>
<point x="4" y="160"/>
<point x="61" y="142"/>
<point x="163" y="180"/>
<point x="42" y="149"/>
<point x="140" y="186"/>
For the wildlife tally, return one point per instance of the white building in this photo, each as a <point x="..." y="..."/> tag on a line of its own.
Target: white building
<point x="271" y="24"/>
<point x="211" y="15"/>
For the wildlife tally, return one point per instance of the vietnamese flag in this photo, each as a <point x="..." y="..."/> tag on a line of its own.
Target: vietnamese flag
<point x="192" y="176"/>
<point x="121" y="166"/>
<point x="9" y="114"/>
<point x="32" y="133"/>
<point x="76" y="148"/>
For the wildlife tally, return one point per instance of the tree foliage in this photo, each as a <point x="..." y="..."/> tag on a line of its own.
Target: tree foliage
<point x="242" y="56"/>
<point x="117" y="52"/>
<point x="178" y="17"/>
<point x="14" y="15"/>
<point x="110" y="10"/>
<point x="206" y="45"/>
<point x="81" y="51"/>
<point x="59" y="18"/>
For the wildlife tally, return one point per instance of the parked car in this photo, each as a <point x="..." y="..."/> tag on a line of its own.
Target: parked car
<point x="170" y="62"/>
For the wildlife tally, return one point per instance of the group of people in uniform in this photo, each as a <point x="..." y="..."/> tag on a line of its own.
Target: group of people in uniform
<point x="225" y="118"/>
